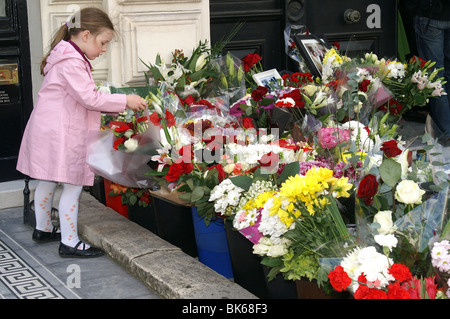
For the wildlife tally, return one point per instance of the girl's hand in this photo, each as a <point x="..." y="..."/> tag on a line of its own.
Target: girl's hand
<point x="136" y="103"/>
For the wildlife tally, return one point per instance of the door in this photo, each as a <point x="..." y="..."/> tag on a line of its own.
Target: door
<point x="262" y="32"/>
<point x="15" y="84"/>
<point x="359" y="26"/>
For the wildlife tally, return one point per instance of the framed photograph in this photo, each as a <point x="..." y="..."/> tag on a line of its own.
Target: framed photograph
<point x="313" y="50"/>
<point x="268" y="78"/>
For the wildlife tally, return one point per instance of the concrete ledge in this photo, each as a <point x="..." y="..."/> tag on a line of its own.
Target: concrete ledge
<point x="163" y="267"/>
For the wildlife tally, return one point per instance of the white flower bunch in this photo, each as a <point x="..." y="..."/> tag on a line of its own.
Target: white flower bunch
<point x="265" y="247"/>
<point x="271" y="225"/>
<point x="225" y="196"/>
<point x="396" y="70"/>
<point x="440" y="256"/>
<point x="385" y="229"/>
<point x="370" y="262"/>
<point x="246" y="212"/>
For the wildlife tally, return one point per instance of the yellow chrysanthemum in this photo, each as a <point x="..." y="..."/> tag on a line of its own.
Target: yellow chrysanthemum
<point x="261" y="200"/>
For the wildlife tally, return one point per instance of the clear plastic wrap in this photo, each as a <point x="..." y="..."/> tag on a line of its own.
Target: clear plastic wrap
<point x="127" y="169"/>
<point x="231" y="80"/>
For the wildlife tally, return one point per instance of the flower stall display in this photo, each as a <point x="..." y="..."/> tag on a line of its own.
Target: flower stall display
<point x="312" y="171"/>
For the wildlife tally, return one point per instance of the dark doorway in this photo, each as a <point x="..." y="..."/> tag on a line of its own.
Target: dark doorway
<point x="15" y="83"/>
<point x="262" y="32"/>
<point x="359" y="25"/>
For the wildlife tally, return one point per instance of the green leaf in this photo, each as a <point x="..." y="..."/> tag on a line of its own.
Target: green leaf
<point x="197" y="194"/>
<point x="185" y="197"/>
<point x="390" y="171"/>
<point x="243" y="182"/>
<point x="290" y="169"/>
<point x="133" y="199"/>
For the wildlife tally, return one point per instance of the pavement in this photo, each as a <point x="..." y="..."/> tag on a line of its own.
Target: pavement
<point x="137" y="265"/>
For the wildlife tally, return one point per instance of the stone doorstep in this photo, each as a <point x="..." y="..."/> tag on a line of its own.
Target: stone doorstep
<point x="163" y="267"/>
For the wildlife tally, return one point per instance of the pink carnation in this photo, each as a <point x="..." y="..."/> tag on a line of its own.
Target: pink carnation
<point x="329" y="137"/>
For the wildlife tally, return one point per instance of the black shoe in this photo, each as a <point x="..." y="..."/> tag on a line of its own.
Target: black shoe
<point x="40" y="236"/>
<point x="73" y="252"/>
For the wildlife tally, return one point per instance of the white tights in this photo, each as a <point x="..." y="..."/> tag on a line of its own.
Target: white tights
<point x="68" y="210"/>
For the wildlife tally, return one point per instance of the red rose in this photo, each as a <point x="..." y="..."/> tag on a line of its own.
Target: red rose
<point x="178" y="169"/>
<point x="259" y="93"/>
<point x="363" y="85"/>
<point x="390" y="148"/>
<point x="247" y="123"/>
<point x="339" y="278"/>
<point x="367" y="188"/>
<point x="250" y="60"/>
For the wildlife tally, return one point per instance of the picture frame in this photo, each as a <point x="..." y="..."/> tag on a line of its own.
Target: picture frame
<point x="313" y="49"/>
<point x="268" y="78"/>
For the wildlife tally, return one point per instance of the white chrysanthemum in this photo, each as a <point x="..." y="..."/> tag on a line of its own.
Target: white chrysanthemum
<point x="370" y="262"/>
<point x="440" y="257"/>
<point x="272" y="226"/>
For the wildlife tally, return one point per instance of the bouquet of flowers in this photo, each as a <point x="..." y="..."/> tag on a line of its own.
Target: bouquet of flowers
<point x="184" y="75"/>
<point x="370" y="272"/>
<point x="301" y="223"/>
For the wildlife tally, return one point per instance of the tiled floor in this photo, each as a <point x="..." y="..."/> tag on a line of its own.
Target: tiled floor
<point x="32" y="270"/>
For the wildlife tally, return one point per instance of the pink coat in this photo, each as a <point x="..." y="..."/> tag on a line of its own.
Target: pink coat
<point x="67" y="108"/>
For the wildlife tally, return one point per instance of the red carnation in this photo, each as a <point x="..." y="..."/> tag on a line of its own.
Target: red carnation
<point x="400" y="272"/>
<point x="395" y="291"/>
<point x="390" y="148"/>
<point x="339" y="278"/>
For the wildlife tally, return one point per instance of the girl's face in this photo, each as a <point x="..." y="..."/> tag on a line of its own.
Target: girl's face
<point x="96" y="45"/>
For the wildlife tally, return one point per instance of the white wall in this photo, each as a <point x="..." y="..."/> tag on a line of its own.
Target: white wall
<point x="145" y="28"/>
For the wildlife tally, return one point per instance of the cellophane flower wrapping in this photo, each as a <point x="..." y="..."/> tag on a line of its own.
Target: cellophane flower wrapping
<point x="230" y="82"/>
<point x="124" y="168"/>
<point x="121" y="156"/>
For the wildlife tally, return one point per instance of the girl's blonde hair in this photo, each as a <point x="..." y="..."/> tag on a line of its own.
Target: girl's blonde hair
<point x="92" y="19"/>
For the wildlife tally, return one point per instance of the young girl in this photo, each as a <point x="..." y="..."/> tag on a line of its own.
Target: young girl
<point x="68" y="106"/>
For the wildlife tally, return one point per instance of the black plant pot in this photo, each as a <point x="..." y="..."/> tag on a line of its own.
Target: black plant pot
<point x="250" y="274"/>
<point x="143" y="216"/>
<point x="174" y="224"/>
